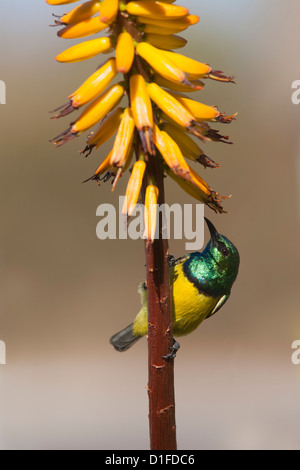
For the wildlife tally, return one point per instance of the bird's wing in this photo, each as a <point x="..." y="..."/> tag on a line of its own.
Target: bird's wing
<point x="220" y="304"/>
<point x="142" y="290"/>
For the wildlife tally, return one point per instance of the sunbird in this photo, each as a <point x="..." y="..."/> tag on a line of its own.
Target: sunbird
<point x="201" y="284"/>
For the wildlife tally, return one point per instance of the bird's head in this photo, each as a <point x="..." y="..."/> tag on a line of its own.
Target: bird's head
<point x="222" y="250"/>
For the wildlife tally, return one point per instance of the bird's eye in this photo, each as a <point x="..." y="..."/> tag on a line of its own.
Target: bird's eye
<point x="225" y="252"/>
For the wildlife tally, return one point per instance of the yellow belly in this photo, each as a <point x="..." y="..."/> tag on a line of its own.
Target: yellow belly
<point x="190" y="307"/>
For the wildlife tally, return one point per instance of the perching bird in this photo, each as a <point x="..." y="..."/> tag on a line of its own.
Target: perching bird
<point x="201" y="282"/>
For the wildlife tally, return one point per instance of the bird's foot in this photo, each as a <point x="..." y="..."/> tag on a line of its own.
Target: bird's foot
<point x="174" y="350"/>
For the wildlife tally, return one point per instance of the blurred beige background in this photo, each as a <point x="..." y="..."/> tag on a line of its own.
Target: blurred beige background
<point x="64" y="292"/>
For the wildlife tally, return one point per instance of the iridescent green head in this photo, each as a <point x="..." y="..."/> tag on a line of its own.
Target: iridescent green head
<point x="222" y="250"/>
<point x="215" y="269"/>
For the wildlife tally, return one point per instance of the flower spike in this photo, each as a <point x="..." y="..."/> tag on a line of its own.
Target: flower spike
<point x="160" y="120"/>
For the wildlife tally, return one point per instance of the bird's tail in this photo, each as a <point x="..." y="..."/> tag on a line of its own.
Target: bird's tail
<point x="124" y="339"/>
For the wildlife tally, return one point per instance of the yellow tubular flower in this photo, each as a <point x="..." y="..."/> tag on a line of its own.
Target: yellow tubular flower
<point x="151" y="199"/>
<point x="165" y="42"/>
<point x="189" y="148"/>
<point x="104" y="169"/>
<point x="95" y="84"/>
<point x="200" y="187"/>
<point x="98" y="109"/>
<point x="124" y="52"/>
<point x="82" y="29"/>
<point x="199" y="182"/>
<point x="81" y="13"/>
<point x="120" y="170"/>
<point x="191" y="20"/>
<point x="200" y="192"/>
<point x="160" y="63"/>
<point x="85" y="50"/>
<point x="194" y="85"/>
<point x="134" y="187"/>
<point x="123" y="141"/>
<point x="140" y="102"/>
<point x="200" y="111"/>
<point x="170" y="106"/>
<point x="166" y="31"/>
<point x="128" y="161"/>
<point x="60" y="2"/>
<point x="179" y="24"/>
<point x="170" y="152"/>
<point x="154" y="9"/>
<point x="186" y="144"/>
<point x="107" y="129"/>
<point x="192" y="67"/>
<point x="105" y="166"/>
<point x="109" y="10"/>
<point x="142" y="111"/>
<point x="109" y="171"/>
<point x="214" y="198"/>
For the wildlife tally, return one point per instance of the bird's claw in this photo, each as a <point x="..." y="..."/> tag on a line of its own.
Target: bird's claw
<point x="171" y="260"/>
<point x="174" y="350"/>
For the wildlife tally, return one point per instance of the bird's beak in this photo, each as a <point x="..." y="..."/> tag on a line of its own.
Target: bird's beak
<point x="213" y="231"/>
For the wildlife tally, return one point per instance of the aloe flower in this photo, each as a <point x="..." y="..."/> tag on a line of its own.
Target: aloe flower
<point x="160" y="119"/>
